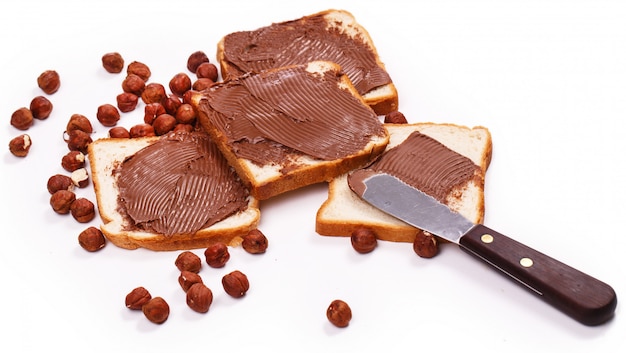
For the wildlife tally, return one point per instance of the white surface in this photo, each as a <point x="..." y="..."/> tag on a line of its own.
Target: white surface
<point x="546" y="77"/>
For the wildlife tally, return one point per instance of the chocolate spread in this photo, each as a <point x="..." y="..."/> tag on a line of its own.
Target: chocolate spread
<point x="301" y="41"/>
<point x="267" y="116"/>
<point x="425" y="164"/>
<point x="179" y="185"/>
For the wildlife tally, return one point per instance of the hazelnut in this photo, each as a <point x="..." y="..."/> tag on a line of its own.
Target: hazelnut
<point x="202" y="84"/>
<point x="22" y="119"/>
<point x="171" y="104"/>
<point x="188" y="97"/>
<point x="40" y="107"/>
<point x="363" y="240"/>
<point x="108" y="115"/>
<point x="82" y="210"/>
<point x="425" y="244"/>
<point x="163" y="124"/>
<point x="49" y="81"/>
<point x="339" y="313"/>
<point x="80" y="177"/>
<point x="20" y="145"/>
<point x="195" y="59"/>
<point x="140" y="69"/>
<point x="127" y="102"/>
<point x="60" y="182"/>
<point x="79" y="140"/>
<point x="395" y="118"/>
<point x="79" y="122"/>
<point x="254" y="242"/>
<point x="91" y="239"/>
<point x="73" y="160"/>
<point x="153" y="93"/>
<point x="133" y="84"/>
<point x="217" y="255"/>
<point x="113" y="62"/>
<point x="199" y="298"/>
<point x="185" y="114"/>
<point x="137" y="298"/>
<point x="207" y="70"/>
<point x="156" y="310"/>
<point x="188" y="261"/>
<point x="188" y="279"/>
<point x="151" y="111"/>
<point x="141" y="130"/>
<point x="61" y="201"/>
<point x="119" y="132"/>
<point x="235" y="284"/>
<point x="184" y="127"/>
<point x="180" y="83"/>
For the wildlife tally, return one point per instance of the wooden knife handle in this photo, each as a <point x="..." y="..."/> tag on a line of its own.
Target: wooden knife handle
<point x="575" y="293"/>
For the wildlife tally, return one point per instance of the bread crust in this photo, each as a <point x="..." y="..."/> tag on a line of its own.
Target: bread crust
<point x="382" y="100"/>
<point x="343" y="211"/>
<point x="104" y="155"/>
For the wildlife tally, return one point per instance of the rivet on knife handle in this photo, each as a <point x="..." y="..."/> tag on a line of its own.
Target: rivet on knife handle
<point x="575" y="293"/>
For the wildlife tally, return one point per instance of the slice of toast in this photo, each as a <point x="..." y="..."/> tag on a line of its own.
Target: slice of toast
<point x="331" y="35"/>
<point x="290" y="127"/>
<point x="105" y="157"/>
<point x="344" y="211"/>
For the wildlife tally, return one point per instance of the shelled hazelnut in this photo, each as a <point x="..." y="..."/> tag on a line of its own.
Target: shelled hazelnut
<point x="188" y="279"/>
<point x="119" y="132"/>
<point x="207" y="70"/>
<point x="188" y="261"/>
<point x="82" y="210"/>
<point x="199" y="298"/>
<point x="126" y="102"/>
<point x="59" y="182"/>
<point x="141" y="130"/>
<point x="73" y="160"/>
<point x="79" y="122"/>
<point x="133" y="84"/>
<point x="217" y="255"/>
<point x="91" y="239"/>
<point x="363" y="240"/>
<point x="40" y="107"/>
<point x="78" y="140"/>
<point x="339" y="313"/>
<point x="49" y="81"/>
<point x="140" y="69"/>
<point x="108" y="115"/>
<point x="195" y="59"/>
<point x="425" y="244"/>
<point x="22" y="119"/>
<point x="153" y="93"/>
<point x="20" y="145"/>
<point x="255" y="242"/>
<point x="180" y="83"/>
<point x="137" y="298"/>
<point x="235" y="284"/>
<point x="113" y="62"/>
<point x="156" y="310"/>
<point x="61" y="201"/>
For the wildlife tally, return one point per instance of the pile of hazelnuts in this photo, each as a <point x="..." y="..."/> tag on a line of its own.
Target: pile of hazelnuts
<point x="198" y="295"/>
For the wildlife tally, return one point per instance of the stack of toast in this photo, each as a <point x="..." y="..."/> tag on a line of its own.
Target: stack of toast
<point x="299" y="104"/>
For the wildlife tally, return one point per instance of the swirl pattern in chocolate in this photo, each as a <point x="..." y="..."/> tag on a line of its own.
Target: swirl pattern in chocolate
<point x="425" y="164"/>
<point x="179" y="185"/>
<point x="268" y="115"/>
<point x="302" y="41"/>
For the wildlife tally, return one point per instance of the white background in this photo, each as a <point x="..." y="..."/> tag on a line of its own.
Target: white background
<point x="548" y="79"/>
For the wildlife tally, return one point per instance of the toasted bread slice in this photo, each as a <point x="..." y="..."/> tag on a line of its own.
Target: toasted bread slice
<point x="344" y="211"/>
<point x="331" y="35"/>
<point x="105" y="157"/>
<point x="290" y="127"/>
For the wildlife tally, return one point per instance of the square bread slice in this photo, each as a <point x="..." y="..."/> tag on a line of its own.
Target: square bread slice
<point x="344" y="211"/>
<point x="331" y="35"/>
<point x="290" y="127"/>
<point x="105" y="156"/>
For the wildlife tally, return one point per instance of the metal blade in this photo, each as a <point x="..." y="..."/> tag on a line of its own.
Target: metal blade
<point x="391" y="195"/>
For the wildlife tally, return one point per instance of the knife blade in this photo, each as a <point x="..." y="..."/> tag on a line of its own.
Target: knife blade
<point x="581" y="296"/>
